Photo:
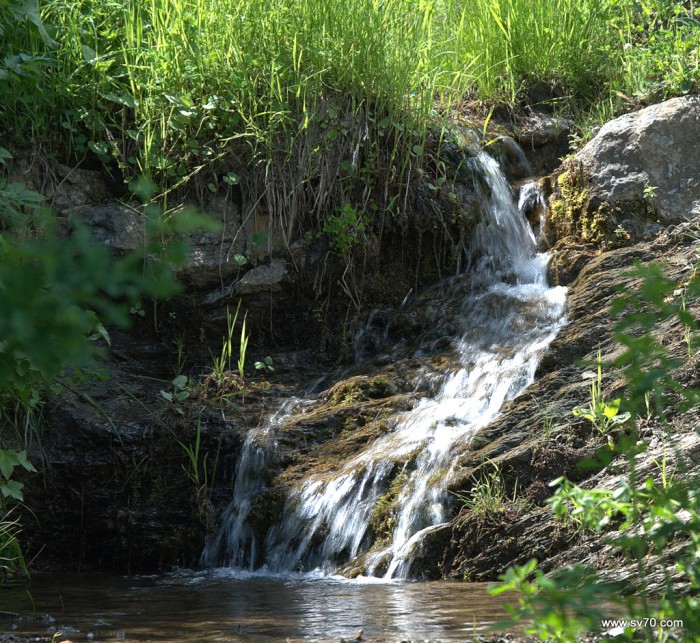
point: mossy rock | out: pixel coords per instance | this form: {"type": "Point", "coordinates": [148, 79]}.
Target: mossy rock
{"type": "Point", "coordinates": [574, 213]}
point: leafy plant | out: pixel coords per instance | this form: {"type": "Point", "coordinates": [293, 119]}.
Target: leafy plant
{"type": "Point", "coordinates": [265, 365]}
{"type": "Point", "coordinates": [344, 228]}
{"type": "Point", "coordinates": [9, 460]}
{"type": "Point", "coordinates": [602, 414]}
{"type": "Point", "coordinates": [182, 389]}
{"type": "Point", "coordinates": [559, 607]}
{"type": "Point", "coordinates": [657, 516]}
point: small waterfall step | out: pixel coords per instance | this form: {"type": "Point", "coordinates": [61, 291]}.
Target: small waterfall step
{"type": "Point", "coordinates": [507, 316]}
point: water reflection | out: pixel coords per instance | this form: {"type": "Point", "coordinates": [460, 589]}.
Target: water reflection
{"type": "Point", "coordinates": [225, 606]}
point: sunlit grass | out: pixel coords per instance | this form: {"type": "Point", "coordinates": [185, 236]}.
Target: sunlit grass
{"type": "Point", "coordinates": [164, 88]}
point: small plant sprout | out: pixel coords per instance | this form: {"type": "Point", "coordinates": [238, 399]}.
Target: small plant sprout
{"type": "Point", "coordinates": [602, 414]}
{"type": "Point", "coordinates": [650, 192]}
{"type": "Point", "coordinates": [265, 365]}
{"type": "Point", "coordinates": [181, 391]}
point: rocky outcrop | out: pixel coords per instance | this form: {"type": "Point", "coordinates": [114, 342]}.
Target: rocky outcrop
{"type": "Point", "coordinates": [651, 155]}
{"type": "Point", "coordinates": [537, 438]}
{"type": "Point", "coordinates": [636, 176]}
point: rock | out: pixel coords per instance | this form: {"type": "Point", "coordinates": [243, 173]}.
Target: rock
{"type": "Point", "coordinates": [651, 154]}
{"type": "Point", "coordinates": [545, 140]}
{"type": "Point", "coordinates": [72, 187]}
{"type": "Point", "coordinates": [216, 257]}
{"type": "Point", "coordinates": [569, 256]}
{"type": "Point", "coordinates": [261, 279]}
{"type": "Point", "coordinates": [510, 157]}
{"type": "Point", "coordinates": [640, 169]}
{"type": "Point", "coordinates": [539, 129]}
{"type": "Point", "coordinates": [113, 225]}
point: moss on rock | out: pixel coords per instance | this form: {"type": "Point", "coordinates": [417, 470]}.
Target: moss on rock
{"type": "Point", "coordinates": [573, 213]}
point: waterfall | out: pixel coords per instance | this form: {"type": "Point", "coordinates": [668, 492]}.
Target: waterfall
{"type": "Point", "coordinates": [507, 317]}
{"type": "Point", "coordinates": [236, 543]}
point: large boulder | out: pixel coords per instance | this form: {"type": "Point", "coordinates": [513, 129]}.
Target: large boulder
{"type": "Point", "coordinates": [652, 153]}
{"type": "Point", "coordinates": [641, 169]}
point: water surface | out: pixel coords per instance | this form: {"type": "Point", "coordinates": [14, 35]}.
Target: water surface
{"type": "Point", "coordinates": [226, 606]}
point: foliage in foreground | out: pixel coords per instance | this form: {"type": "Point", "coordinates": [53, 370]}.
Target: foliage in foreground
{"type": "Point", "coordinates": [57, 293]}
{"type": "Point", "coordinates": [656, 516]}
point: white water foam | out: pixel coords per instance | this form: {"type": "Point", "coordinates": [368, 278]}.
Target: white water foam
{"type": "Point", "coordinates": [508, 318]}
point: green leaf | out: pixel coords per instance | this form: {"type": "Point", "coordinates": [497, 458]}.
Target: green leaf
{"type": "Point", "coordinates": [101, 148]}
{"type": "Point", "coordinates": [8, 461]}
{"type": "Point", "coordinates": [23, 462]}
{"type": "Point", "coordinates": [89, 55]}
{"type": "Point", "coordinates": [12, 489]}
{"type": "Point", "coordinates": [121, 99]}
{"type": "Point", "coordinates": [611, 408]}
{"type": "Point", "coordinates": [4, 155]}
{"type": "Point", "coordinates": [232, 178]}
{"type": "Point", "coordinates": [180, 381]}
{"type": "Point", "coordinates": [29, 10]}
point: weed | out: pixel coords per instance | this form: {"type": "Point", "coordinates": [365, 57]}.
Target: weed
{"type": "Point", "coordinates": [181, 391]}
{"type": "Point", "coordinates": [222, 364]}
{"type": "Point", "coordinates": [602, 414]}
{"type": "Point", "coordinates": [488, 496]}
{"type": "Point", "coordinates": [265, 365]}
{"type": "Point", "coordinates": [197, 470]}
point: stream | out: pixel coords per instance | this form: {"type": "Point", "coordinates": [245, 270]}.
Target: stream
{"type": "Point", "coordinates": [231, 606]}
{"type": "Point", "coordinates": [498, 317]}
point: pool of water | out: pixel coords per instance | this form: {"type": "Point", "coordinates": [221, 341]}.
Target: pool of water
{"type": "Point", "coordinates": [226, 606]}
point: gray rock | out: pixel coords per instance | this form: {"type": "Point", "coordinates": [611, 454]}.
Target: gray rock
{"type": "Point", "coordinates": [655, 149]}
{"type": "Point", "coordinates": [214, 257]}
{"type": "Point", "coordinates": [261, 279]}
{"type": "Point", "coordinates": [267, 278]}
{"type": "Point", "coordinates": [541, 129]}
{"type": "Point", "coordinates": [113, 225]}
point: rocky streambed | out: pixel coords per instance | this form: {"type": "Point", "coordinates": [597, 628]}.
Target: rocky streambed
{"type": "Point", "coordinates": [120, 490]}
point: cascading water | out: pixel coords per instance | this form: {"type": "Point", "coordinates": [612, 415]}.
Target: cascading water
{"type": "Point", "coordinates": [236, 544]}
{"type": "Point", "coordinates": [507, 317]}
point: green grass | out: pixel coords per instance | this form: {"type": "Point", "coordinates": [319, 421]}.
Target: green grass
{"type": "Point", "coordinates": [321, 96]}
